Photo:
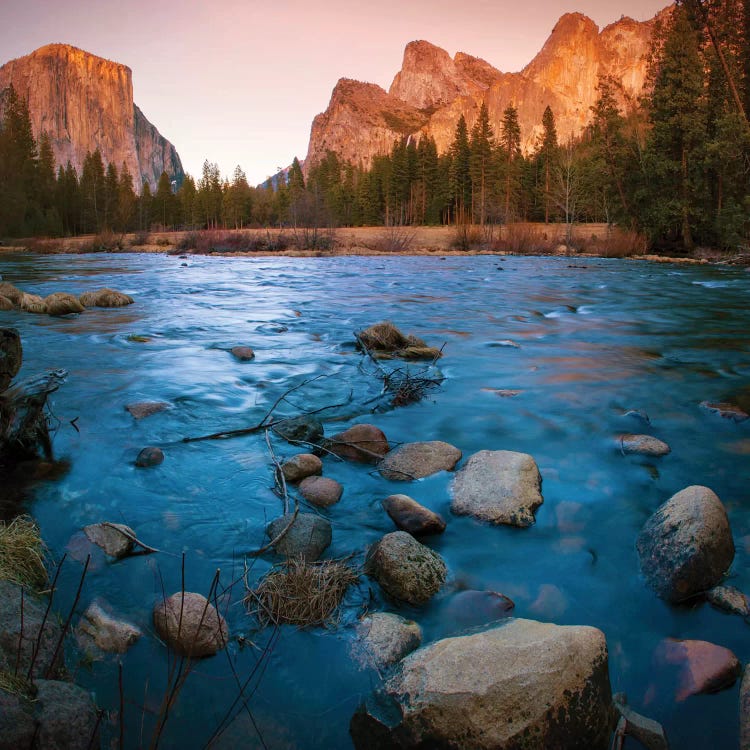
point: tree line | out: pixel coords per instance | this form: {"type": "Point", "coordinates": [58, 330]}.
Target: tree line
{"type": "Point", "coordinates": [675, 166]}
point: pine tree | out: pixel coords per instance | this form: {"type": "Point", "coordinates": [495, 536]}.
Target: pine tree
{"type": "Point", "coordinates": [127, 201]}
{"type": "Point", "coordinates": [481, 145]}
{"type": "Point", "coordinates": [68, 199]}
{"type": "Point", "coordinates": [510, 160]}
{"type": "Point", "coordinates": [92, 192]}
{"type": "Point", "coordinates": [109, 197]}
{"type": "Point", "coordinates": [459, 175]}
{"type": "Point", "coordinates": [186, 197]}
{"type": "Point", "coordinates": [546, 157]}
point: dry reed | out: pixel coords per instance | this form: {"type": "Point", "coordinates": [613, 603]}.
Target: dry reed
{"type": "Point", "coordinates": [22, 553]}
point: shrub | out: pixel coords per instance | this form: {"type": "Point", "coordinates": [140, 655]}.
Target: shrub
{"type": "Point", "coordinates": [395, 239]}
{"type": "Point", "coordinates": [104, 242]}
{"type": "Point", "coordinates": [314, 238]}
{"type": "Point", "coordinates": [140, 238]}
{"type": "Point", "coordinates": [622, 243]}
{"type": "Point", "coordinates": [467, 237]}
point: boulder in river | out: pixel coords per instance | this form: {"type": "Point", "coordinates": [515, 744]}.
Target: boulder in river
{"type": "Point", "coordinates": [405, 569]}
{"type": "Point", "coordinates": [523, 684]}
{"type": "Point", "coordinates": [412, 517]}
{"type": "Point", "coordinates": [501, 487]}
{"type": "Point", "coordinates": [729, 599]}
{"type": "Point", "coordinates": [105, 632]}
{"type": "Point", "coordinates": [308, 537]}
{"type": "Point", "coordinates": [143, 409]}
{"type": "Point", "coordinates": [385, 638]}
{"type": "Point", "coordinates": [190, 625]}
{"type": "Point", "coordinates": [116, 539]}
{"type": "Point", "coordinates": [150, 456]}
{"type": "Point", "coordinates": [321, 491]}
{"type": "Point", "coordinates": [385, 341]}
{"type": "Point", "coordinates": [301, 466]}
{"type": "Point", "coordinates": [105, 298]}
{"type": "Point", "coordinates": [645, 445]}
{"type": "Point", "coordinates": [726, 410]}
{"type": "Point", "coordinates": [6, 304]}
{"type": "Point", "coordinates": [13, 293]}
{"type": "Point", "coordinates": [418, 460]}
{"type": "Point", "coordinates": [686, 546]}
{"type": "Point", "coordinates": [304, 430]}
{"type": "Point", "coordinates": [61, 303]}
{"type": "Point", "coordinates": [361, 442]}
{"type": "Point", "coordinates": [243, 353]}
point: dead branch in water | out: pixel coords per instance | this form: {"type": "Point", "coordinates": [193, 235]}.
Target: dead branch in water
{"type": "Point", "coordinates": [146, 550]}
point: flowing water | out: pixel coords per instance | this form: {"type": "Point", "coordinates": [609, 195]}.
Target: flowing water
{"type": "Point", "coordinates": [582, 342]}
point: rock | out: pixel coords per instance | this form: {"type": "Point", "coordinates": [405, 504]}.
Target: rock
{"type": "Point", "coordinates": [11, 356]}
{"type": "Point", "coordinates": [646, 445]}
{"type": "Point", "coordinates": [105, 298]}
{"type": "Point", "coordinates": [386, 638]}
{"type": "Point", "coordinates": [468, 609]}
{"type": "Point", "coordinates": [686, 546]}
{"type": "Point", "coordinates": [703, 667]}
{"type": "Point", "coordinates": [99, 629]}
{"type": "Point", "coordinates": [17, 726]}
{"type": "Point", "coordinates": [143, 409]}
{"type": "Point", "coordinates": [61, 303]}
{"type": "Point", "coordinates": [744, 710]}
{"type": "Point", "coordinates": [66, 716]}
{"type": "Point", "coordinates": [405, 569]}
{"type": "Point", "coordinates": [115, 539]}
{"type": "Point", "coordinates": [190, 625]}
{"type": "Point", "coordinates": [638, 414]}
{"type": "Point", "coordinates": [418, 460]}
{"type": "Point", "coordinates": [321, 491]}
{"type": "Point", "coordinates": [150, 456]}
{"type": "Point", "coordinates": [412, 517]}
{"type": "Point", "coordinates": [306, 430]}
{"type": "Point", "coordinates": [729, 599]}
{"type": "Point", "coordinates": [523, 684]}
{"type": "Point", "coordinates": [647, 731]}
{"type": "Point", "coordinates": [498, 487]}
{"type": "Point", "coordinates": [361, 442]}
{"type": "Point", "coordinates": [726, 410]}
{"type": "Point", "coordinates": [243, 353]}
{"type": "Point", "coordinates": [14, 294]}
{"type": "Point", "coordinates": [309, 536]}
{"type": "Point", "coordinates": [301, 466]}
{"type": "Point", "coordinates": [32, 303]}
{"type": "Point", "coordinates": [6, 304]}
{"type": "Point", "coordinates": [34, 621]}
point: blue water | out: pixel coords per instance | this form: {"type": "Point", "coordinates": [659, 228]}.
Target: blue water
{"type": "Point", "coordinates": [582, 345]}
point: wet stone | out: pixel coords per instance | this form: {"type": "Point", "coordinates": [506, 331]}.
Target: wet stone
{"type": "Point", "coordinates": [730, 600]}
{"type": "Point", "coordinates": [100, 630]}
{"type": "Point", "coordinates": [645, 445]}
{"type": "Point", "coordinates": [321, 491]}
{"type": "Point", "coordinates": [418, 460]}
{"type": "Point", "coordinates": [115, 539]}
{"type": "Point", "coordinates": [309, 536]}
{"type": "Point", "coordinates": [150, 456]}
{"type": "Point", "coordinates": [301, 466]}
{"type": "Point", "coordinates": [300, 430]}
{"type": "Point", "coordinates": [189, 624]}
{"type": "Point", "coordinates": [143, 409]}
{"type": "Point", "coordinates": [361, 442]}
{"type": "Point", "coordinates": [385, 638]}
{"type": "Point", "coordinates": [243, 353]}
{"type": "Point", "coordinates": [412, 517]}
{"type": "Point", "coordinates": [726, 410]}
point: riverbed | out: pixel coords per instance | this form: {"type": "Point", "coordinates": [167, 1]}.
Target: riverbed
{"type": "Point", "coordinates": [554, 357]}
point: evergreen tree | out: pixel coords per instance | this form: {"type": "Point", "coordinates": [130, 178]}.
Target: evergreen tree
{"type": "Point", "coordinates": [510, 161]}
{"type": "Point", "coordinates": [144, 207]}
{"type": "Point", "coordinates": [68, 199]}
{"type": "Point", "coordinates": [109, 197]}
{"type": "Point", "coordinates": [92, 192]}
{"type": "Point", "coordinates": [127, 201]}
{"type": "Point", "coordinates": [546, 158]}
{"type": "Point", "coordinates": [481, 146]}
{"type": "Point", "coordinates": [237, 200]}
{"type": "Point", "coordinates": [186, 197]}
{"type": "Point", "coordinates": [459, 175]}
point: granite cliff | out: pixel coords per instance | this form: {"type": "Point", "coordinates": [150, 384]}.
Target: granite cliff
{"type": "Point", "coordinates": [85, 102]}
{"type": "Point", "coordinates": [432, 90]}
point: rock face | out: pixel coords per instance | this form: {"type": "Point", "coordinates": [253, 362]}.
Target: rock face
{"type": "Point", "coordinates": [524, 684]}
{"type": "Point", "coordinates": [499, 487]}
{"type": "Point", "coordinates": [190, 625]}
{"type": "Point", "coordinates": [418, 460]}
{"type": "Point", "coordinates": [406, 569]}
{"type": "Point", "coordinates": [386, 638]}
{"type": "Point", "coordinates": [85, 102]}
{"type": "Point", "coordinates": [432, 90]}
{"type": "Point", "coordinates": [686, 546]}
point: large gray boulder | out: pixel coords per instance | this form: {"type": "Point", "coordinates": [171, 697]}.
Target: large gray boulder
{"type": "Point", "coordinates": [385, 638]}
{"type": "Point", "coordinates": [418, 460]}
{"type": "Point", "coordinates": [308, 537]}
{"type": "Point", "coordinates": [405, 569]}
{"type": "Point", "coordinates": [686, 546]}
{"type": "Point", "coordinates": [523, 684]}
{"type": "Point", "coordinates": [501, 487]}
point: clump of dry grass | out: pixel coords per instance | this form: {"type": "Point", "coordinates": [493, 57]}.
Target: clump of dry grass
{"type": "Point", "coordinates": [16, 685]}
{"type": "Point", "coordinates": [622, 243]}
{"type": "Point", "coordinates": [302, 593]}
{"type": "Point", "coordinates": [384, 341]}
{"type": "Point", "coordinates": [105, 298]}
{"type": "Point", "coordinates": [22, 553]}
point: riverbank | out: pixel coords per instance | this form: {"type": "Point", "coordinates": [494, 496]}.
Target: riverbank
{"type": "Point", "coordinates": [584, 240]}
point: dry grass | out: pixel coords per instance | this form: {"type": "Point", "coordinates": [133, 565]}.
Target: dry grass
{"type": "Point", "coordinates": [385, 341]}
{"type": "Point", "coordinates": [105, 298]}
{"type": "Point", "coordinates": [16, 685]}
{"type": "Point", "coordinates": [22, 553]}
{"type": "Point", "coordinates": [395, 239]}
{"type": "Point", "coordinates": [301, 593]}
{"type": "Point", "coordinates": [621, 243]}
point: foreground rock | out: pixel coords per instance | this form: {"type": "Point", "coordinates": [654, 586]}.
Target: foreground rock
{"type": "Point", "coordinates": [321, 491]}
{"type": "Point", "coordinates": [405, 569]}
{"type": "Point", "coordinates": [100, 630]}
{"type": "Point", "coordinates": [703, 667]}
{"type": "Point", "coordinates": [105, 298]}
{"type": "Point", "coordinates": [5, 304]}
{"type": "Point", "coordinates": [19, 647]}
{"type": "Point", "coordinates": [524, 684]}
{"type": "Point", "coordinates": [243, 353]}
{"type": "Point", "coordinates": [308, 537]}
{"type": "Point", "coordinates": [686, 546]}
{"type": "Point", "coordinates": [116, 539]}
{"type": "Point", "coordinates": [361, 442]}
{"type": "Point", "coordinates": [386, 638]}
{"type": "Point", "coordinates": [300, 430]}
{"type": "Point", "coordinates": [418, 460]}
{"type": "Point", "coordinates": [729, 599]}
{"type": "Point", "coordinates": [726, 410]}
{"type": "Point", "coordinates": [645, 445]}
{"type": "Point", "coordinates": [501, 487]}
{"type": "Point", "coordinates": [61, 303]}
{"type": "Point", "coordinates": [301, 466]}
{"type": "Point", "coordinates": [647, 731]}
{"type": "Point", "coordinates": [190, 625]}
{"type": "Point", "coordinates": [150, 456]}
{"type": "Point", "coordinates": [412, 517]}
{"type": "Point", "coordinates": [143, 409]}
{"type": "Point", "coordinates": [745, 710]}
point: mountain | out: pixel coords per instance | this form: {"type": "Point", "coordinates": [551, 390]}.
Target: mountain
{"type": "Point", "coordinates": [432, 90]}
{"type": "Point", "coordinates": [85, 102]}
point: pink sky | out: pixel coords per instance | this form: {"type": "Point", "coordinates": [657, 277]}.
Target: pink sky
{"type": "Point", "coordinates": [240, 82]}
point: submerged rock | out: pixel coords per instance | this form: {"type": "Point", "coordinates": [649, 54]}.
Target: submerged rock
{"type": "Point", "coordinates": [523, 684]}
{"type": "Point", "coordinates": [190, 625]}
{"type": "Point", "coordinates": [150, 456]}
{"type": "Point", "coordinates": [647, 731]}
{"type": "Point", "coordinates": [405, 569]}
{"type": "Point", "coordinates": [419, 460]}
{"type": "Point", "coordinates": [6, 304]}
{"type": "Point", "coordinates": [243, 353]}
{"type": "Point", "coordinates": [686, 546]}
{"type": "Point", "coordinates": [361, 442]}
{"type": "Point", "coordinates": [726, 410]}
{"type": "Point", "coordinates": [469, 609]}
{"type": "Point", "coordinates": [102, 631]}
{"type": "Point", "coordinates": [300, 430]}
{"type": "Point", "coordinates": [321, 491]}
{"type": "Point", "coordinates": [646, 445]}
{"type": "Point", "coordinates": [386, 638]}
{"type": "Point", "coordinates": [501, 487]}
{"type": "Point", "coordinates": [301, 466]}
{"type": "Point", "coordinates": [412, 517]}
{"type": "Point", "coordinates": [729, 599]}
{"type": "Point", "coordinates": [143, 409]}
{"type": "Point", "coordinates": [309, 536]}
{"type": "Point", "coordinates": [115, 539]}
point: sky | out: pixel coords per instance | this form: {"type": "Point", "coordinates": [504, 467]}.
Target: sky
{"type": "Point", "coordinates": [239, 82]}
